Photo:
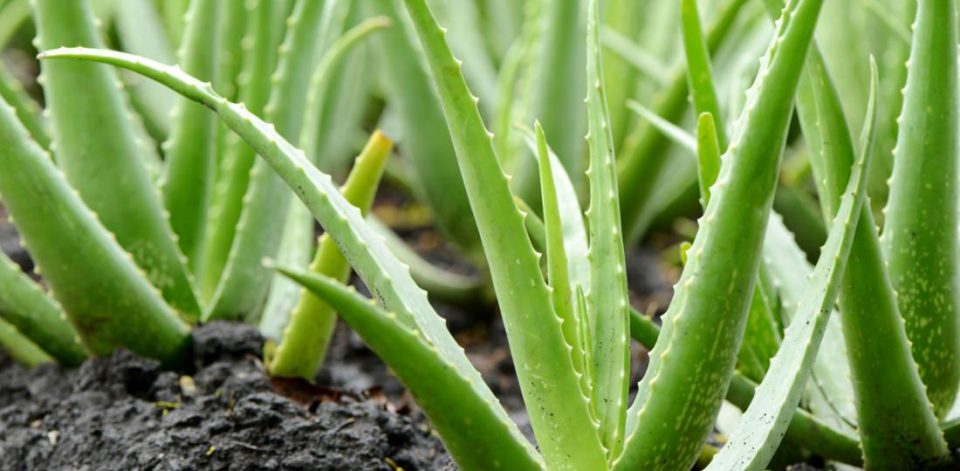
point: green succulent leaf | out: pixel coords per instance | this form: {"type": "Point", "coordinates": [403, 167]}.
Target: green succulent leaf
{"type": "Point", "coordinates": [709, 151]}
{"type": "Point", "coordinates": [920, 233]}
{"type": "Point", "coordinates": [106, 297]}
{"type": "Point", "coordinates": [639, 58]}
{"type": "Point", "coordinates": [559, 52]}
{"type": "Point", "coordinates": [563, 288]}
{"type": "Point", "coordinates": [699, 69]}
{"type": "Point", "coordinates": [675, 133]}
{"type": "Point", "coordinates": [441, 284]}
{"type": "Point", "coordinates": [12, 15]}
{"type": "Point", "coordinates": [607, 298]}
{"type": "Point", "coordinates": [297, 240]}
{"type": "Point", "coordinates": [97, 147]}
{"type": "Point", "coordinates": [805, 430]}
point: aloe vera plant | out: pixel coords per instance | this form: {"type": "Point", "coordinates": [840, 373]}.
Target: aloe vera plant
{"type": "Point", "coordinates": [605, 436]}
{"type": "Point", "coordinates": [130, 271]}
{"type": "Point", "coordinates": [751, 322]}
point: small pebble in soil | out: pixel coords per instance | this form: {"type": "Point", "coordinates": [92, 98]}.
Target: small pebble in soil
{"type": "Point", "coordinates": [126, 413]}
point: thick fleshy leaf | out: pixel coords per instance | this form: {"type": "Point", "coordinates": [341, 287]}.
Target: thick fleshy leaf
{"type": "Point", "coordinates": [106, 297]}
{"type": "Point", "coordinates": [97, 146]}
{"type": "Point", "coordinates": [920, 240]}
{"type": "Point", "coordinates": [607, 298]}
{"type": "Point", "coordinates": [764, 423]}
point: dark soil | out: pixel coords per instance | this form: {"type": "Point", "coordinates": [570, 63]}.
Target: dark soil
{"type": "Point", "coordinates": [124, 413]}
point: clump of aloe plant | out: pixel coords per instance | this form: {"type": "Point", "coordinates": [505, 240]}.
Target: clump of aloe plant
{"type": "Point", "coordinates": [136, 246]}
{"type": "Point", "coordinates": [751, 322]}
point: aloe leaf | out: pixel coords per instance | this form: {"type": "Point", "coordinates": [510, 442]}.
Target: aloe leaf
{"type": "Point", "coordinates": [920, 233]}
{"type": "Point", "coordinates": [709, 151]}
{"type": "Point", "coordinates": [259, 57]}
{"type": "Point", "coordinates": [307, 336]}
{"type": "Point", "coordinates": [20, 348]}
{"type": "Point", "coordinates": [12, 92]}
{"type": "Point", "coordinates": [105, 295]}
{"type": "Point", "coordinates": [890, 398]}
{"type": "Point", "coordinates": [607, 299]}
{"type": "Point", "coordinates": [804, 429]}
{"type": "Point", "coordinates": [338, 87]}
{"type": "Point", "coordinates": [28, 310]}
{"type": "Point", "coordinates": [96, 145]}
{"type": "Point", "coordinates": [370, 257]}
{"type": "Point", "coordinates": [691, 365]}
{"type": "Point", "coordinates": [513, 264]}
{"type": "Point", "coordinates": [476, 438]}
{"type": "Point", "coordinates": [699, 70]}
{"type": "Point", "coordinates": [425, 139]}
{"type": "Point", "coordinates": [761, 336]}
{"type": "Point", "coordinates": [190, 151]}
{"type": "Point", "coordinates": [245, 283]}
{"type": "Point", "coordinates": [641, 159]}
{"type": "Point", "coordinates": [830, 394]}
{"type": "Point", "coordinates": [563, 288]}
{"type": "Point", "coordinates": [570, 214]}
{"type": "Point", "coordinates": [517, 88]}
{"type": "Point", "coordinates": [762, 427]}
{"type": "Point", "coordinates": [141, 31]}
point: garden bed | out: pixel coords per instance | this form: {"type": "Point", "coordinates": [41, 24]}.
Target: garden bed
{"type": "Point", "coordinates": [124, 412]}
